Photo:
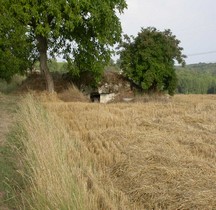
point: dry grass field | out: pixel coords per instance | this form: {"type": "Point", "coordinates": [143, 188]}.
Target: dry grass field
{"type": "Point", "coordinates": [157, 154]}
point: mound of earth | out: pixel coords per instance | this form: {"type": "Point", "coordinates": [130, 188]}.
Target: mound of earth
{"type": "Point", "coordinates": [36, 82]}
{"type": "Point", "coordinates": [111, 83]}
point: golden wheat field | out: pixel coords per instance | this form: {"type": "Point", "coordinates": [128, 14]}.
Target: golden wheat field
{"type": "Point", "coordinates": [157, 154]}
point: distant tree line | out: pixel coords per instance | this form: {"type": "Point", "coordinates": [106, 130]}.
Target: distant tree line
{"type": "Point", "coordinates": [197, 79]}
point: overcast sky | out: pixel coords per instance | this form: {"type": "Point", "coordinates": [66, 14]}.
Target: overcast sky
{"type": "Point", "coordinates": [192, 21]}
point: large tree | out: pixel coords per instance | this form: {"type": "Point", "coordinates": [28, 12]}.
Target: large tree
{"type": "Point", "coordinates": [81, 30]}
{"type": "Point", "coordinates": [149, 59]}
{"type": "Point", "coordinates": [15, 46]}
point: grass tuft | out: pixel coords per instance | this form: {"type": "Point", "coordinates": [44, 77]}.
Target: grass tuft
{"type": "Point", "coordinates": [72, 94]}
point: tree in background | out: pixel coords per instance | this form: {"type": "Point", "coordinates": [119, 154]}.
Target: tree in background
{"type": "Point", "coordinates": [15, 46]}
{"type": "Point", "coordinates": [148, 59]}
{"type": "Point", "coordinates": [80, 30]}
{"type": "Point", "coordinates": [197, 79]}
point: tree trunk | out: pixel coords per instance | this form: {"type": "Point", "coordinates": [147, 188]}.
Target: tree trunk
{"type": "Point", "coordinates": [42, 48]}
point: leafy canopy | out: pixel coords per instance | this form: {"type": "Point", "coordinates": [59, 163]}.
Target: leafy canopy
{"type": "Point", "coordinates": [149, 59]}
{"type": "Point", "coordinates": [81, 30]}
{"type": "Point", "coordinates": [15, 48]}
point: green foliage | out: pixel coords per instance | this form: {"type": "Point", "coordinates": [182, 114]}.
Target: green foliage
{"type": "Point", "coordinates": [149, 58]}
{"type": "Point", "coordinates": [14, 46]}
{"type": "Point", "coordinates": [197, 79]}
{"type": "Point", "coordinates": [80, 30]}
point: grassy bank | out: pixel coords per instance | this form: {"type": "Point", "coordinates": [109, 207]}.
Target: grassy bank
{"type": "Point", "coordinates": [50, 179]}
